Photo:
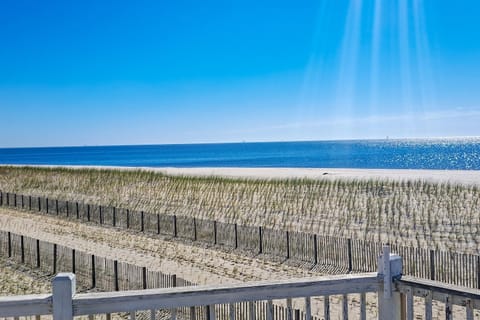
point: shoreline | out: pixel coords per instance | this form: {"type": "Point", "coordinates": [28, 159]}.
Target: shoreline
{"type": "Point", "coordinates": [464, 177]}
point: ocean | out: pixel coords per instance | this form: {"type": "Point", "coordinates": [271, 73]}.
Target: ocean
{"type": "Point", "coordinates": [454, 154]}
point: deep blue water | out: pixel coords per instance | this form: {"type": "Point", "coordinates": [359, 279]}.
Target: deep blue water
{"type": "Point", "coordinates": [381, 154]}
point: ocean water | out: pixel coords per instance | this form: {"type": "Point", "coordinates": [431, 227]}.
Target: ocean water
{"type": "Point", "coordinates": [462, 154]}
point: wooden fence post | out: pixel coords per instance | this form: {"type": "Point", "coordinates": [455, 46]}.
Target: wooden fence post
{"type": "Point", "coordinates": [100, 215]}
{"type": "Point", "coordinates": [73, 261]}
{"type": "Point", "coordinates": [142, 221]}
{"type": "Point", "coordinates": [315, 249]}
{"type": "Point", "coordinates": [66, 206]}
{"type": "Point", "coordinates": [22, 248]}
{"type": "Point", "coordinates": [94, 280]}
{"type": "Point", "coordinates": [88, 212]}
{"type": "Point", "coordinates": [15, 200]}
{"type": "Point", "coordinates": [54, 258]}
{"type": "Point", "coordinates": [38, 253]}
{"type": "Point", "coordinates": [236, 235]}
{"type": "Point", "coordinates": [1, 198]}
{"type": "Point", "coordinates": [389, 300]}
{"type": "Point", "coordinates": [349, 248]}
{"type": "Point", "coordinates": [46, 200]}
{"type": "Point", "coordinates": [158, 223]}
{"type": "Point", "coordinates": [260, 246]}
{"type": "Point", "coordinates": [175, 226]}
{"type": "Point", "coordinates": [144, 277]}
{"type": "Point", "coordinates": [432, 264]}
{"type": "Point", "coordinates": [128, 218]}
{"type": "Point", "coordinates": [56, 206]}
{"type": "Point", "coordinates": [76, 209]}
{"type": "Point", "coordinates": [114, 216]}
{"type": "Point", "coordinates": [8, 199]}
{"type": "Point", "coordinates": [30, 203]}
{"type": "Point", "coordinates": [63, 287]}
{"type": "Point", "coordinates": [39, 204]}
{"type": "Point", "coordinates": [287, 239]}
{"type": "Point", "coordinates": [115, 274]}
{"type": "Point", "coordinates": [214, 232]}
{"type": "Point", "coordinates": [9, 244]}
{"type": "Point", "coordinates": [194, 229]}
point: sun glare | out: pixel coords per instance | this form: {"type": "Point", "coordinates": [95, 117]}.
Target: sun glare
{"type": "Point", "coordinates": [382, 64]}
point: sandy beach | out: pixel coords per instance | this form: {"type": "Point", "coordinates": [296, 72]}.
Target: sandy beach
{"type": "Point", "coordinates": [423, 208]}
{"type": "Point", "coordinates": [465, 177]}
{"type": "Point", "coordinates": [197, 264]}
{"type": "Point", "coordinates": [321, 207]}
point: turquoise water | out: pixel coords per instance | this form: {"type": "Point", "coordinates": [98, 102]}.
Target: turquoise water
{"type": "Point", "coordinates": [381, 154]}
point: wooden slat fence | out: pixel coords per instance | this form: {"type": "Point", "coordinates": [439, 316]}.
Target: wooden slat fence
{"type": "Point", "coordinates": [394, 297]}
{"type": "Point", "coordinates": [205, 230]}
{"type": "Point", "coordinates": [248, 238]}
{"type": "Point", "coordinates": [167, 225]}
{"type": "Point", "coordinates": [186, 228]}
{"type": "Point", "coordinates": [151, 223]}
{"type": "Point", "coordinates": [226, 234]}
{"type": "Point", "coordinates": [110, 275]}
{"type": "Point", "coordinates": [325, 253]}
{"type": "Point", "coordinates": [274, 242]}
{"type": "Point", "coordinates": [303, 247]}
{"type": "Point", "coordinates": [92, 271]}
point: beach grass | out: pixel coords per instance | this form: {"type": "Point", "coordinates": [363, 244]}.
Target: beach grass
{"type": "Point", "coordinates": [15, 279]}
{"type": "Point", "coordinates": [410, 212]}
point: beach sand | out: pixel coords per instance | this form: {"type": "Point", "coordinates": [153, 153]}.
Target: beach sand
{"type": "Point", "coordinates": [207, 265]}
{"type": "Point", "coordinates": [441, 176]}
{"type": "Point", "coordinates": [465, 177]}
{"type": "Point", "coordinates": [197, 264]}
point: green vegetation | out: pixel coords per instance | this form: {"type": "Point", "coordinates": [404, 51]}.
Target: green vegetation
{"type": "Point", "coordinates": [409, 212]}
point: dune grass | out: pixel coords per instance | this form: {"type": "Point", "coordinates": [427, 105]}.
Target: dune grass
{"type": "Point", "coordinates": [15, 279]}
{"type": "Point", "coordinates": [416, 213]}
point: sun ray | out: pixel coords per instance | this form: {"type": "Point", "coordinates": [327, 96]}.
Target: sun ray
{"type": "Point", "coordinates": [405, 66]}
{"type": "Point", "coordinates": [344, 103]}
{"type": "Point", "coordinates": [425, 98]}
{"type": "Point", "coordinates": [375, 48]}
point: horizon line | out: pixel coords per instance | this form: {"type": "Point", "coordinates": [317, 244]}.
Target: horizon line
{"type": "Point", "coordinates": [387, 138]}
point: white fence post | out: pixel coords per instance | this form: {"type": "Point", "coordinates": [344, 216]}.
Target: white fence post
{"type": "Point", "coordinates": [389, 300]}
{"type": "Point", "coordinates": [63, 286]}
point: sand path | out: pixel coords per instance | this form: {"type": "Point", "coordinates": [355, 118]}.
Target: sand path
{"type": "Point", "coordinates": [196, 264]}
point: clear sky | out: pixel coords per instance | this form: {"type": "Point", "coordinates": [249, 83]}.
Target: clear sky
{"type": "Point", "coordinates": [152, 72]}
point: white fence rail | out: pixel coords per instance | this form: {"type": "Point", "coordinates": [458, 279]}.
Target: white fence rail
{"type": "Point", "coordinates": [96, 303]}
{"type": "Point", "coordinates": [395, 298]}
{"type": "Point", "coordinates": [16, 306]}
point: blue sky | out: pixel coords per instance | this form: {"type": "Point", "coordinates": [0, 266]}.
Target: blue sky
{"type": "Point", "coordinates": [148, 72]}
